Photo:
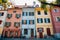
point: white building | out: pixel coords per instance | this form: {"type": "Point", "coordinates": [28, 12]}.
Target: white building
{"type": "Point", "coordinates": [28, 22]}
{"type": "Point", "coordinates": [3, 15]}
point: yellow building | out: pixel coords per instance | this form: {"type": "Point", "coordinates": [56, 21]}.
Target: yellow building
{"type": "Point", "coordinates": [43, 23]}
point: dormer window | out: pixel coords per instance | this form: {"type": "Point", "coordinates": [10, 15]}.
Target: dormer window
{"type": "Point", "coordinates": [9, 15]}
{"type": "Point", "coordinates": [18, 15]}
{"type": "Point", "coordinates": [7, 24]}
{"type": "Point", "coordinates": [16, 24]}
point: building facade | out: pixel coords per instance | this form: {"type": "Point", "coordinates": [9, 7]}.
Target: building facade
{"type": "Point", "coordinates": [13, 23]}
{"type": "Point", "coordinates": [55, 15]}
{"type": "Point", "coordinates": [43, 23]}
{"type": "Point", "coordinates": [28, 22]}
{"type": "Point", "coordinates": [2, 20]}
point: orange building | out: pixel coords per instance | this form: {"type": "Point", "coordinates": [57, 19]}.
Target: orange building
{"type": "Point", "coordinates": [13, 23]}
{"type": "Point", "coordinates": [43, 23]}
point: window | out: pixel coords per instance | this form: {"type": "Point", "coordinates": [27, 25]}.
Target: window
{"type": "Point", "coordinates": [31, 13]}
{"type": "Point", "coordinates": [31, 21]}
{"type": "Point", "coordinates": [45, 12]}
{"type": "Point", "coordinates": [0, 21]}
{"type": "Point", "coordinates": [11, 33]}
{"type": "Point", "coordinates": [14, 11]}
{"type": "Point", "coordinates": [18, 15]}
{"type": "Point", "coordinates": [39, 20]}
{"type": "Point", "coordinates": [26, 13]}
{"type": "Point", "coordinates": [22, 13]}
{"type": "Point", "coordinates": [47, 20]}
{"type": "Point", "coordinates": [25, 31]}
{"type": "Point", "coordinates": [58, 19]}
{"type": "Point", "coordinates": [16, 33]}
{"type": "Point", "coordinates": [9, 15]}
{"type": "Point", "coordinates": [4, 1]}
{"type": "Point", "coordinates": [40, 29]}
{"type": "Point", "coordinates": [1, 14]}
{"type": "Point", "coordinates": [24, 21]}
{"type": "Point", "coordinates": [7, 23]}
{"type": "Point", "coordinates": [55, 10]}
{"type": "Point", "coordinates": [39, 13]}
{"type": "Point", "coordinates": [16, 24]}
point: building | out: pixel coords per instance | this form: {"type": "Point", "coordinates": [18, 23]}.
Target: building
{"type": "Point", "coordinates": [43, 23]}
{"type": "Point", "coordinates": [2, 20]}
{"type": "Point", "coordinates": [13, 23]}
{"type": "Point", "coordinates": [55, 15]}
{"type": "Point", "coordinates": [28, 22]}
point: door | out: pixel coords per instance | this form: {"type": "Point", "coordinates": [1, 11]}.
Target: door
{"type": "Point", "coordinates": [11, 34]}
{"type": "Point", "coordinates": [6, 32]}
{"type": "Point", "coordinates": [32, 33]}
{"type": "Point", "coordinates": [40, 35]}
{"type": "Point", "coordinates": [48, 32]}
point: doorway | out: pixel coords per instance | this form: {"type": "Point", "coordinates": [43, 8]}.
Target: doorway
{"type": "Point", "coordinates": [48, 32]}
{"type": "Point", "coordinates": [32, 33]}
{"type": "Point", "coordinates": [6, 32]}
{"type": "Point", "coordinates": [40, 35]}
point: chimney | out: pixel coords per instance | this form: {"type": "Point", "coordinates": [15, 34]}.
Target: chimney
{"type": "Point", "coordinates": [34, 3]}
{"type": "Point", "coordinates": [25, 4]}
{"type": "Point", "coordinates": [37, 5]}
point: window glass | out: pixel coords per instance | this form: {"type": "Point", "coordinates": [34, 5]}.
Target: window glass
{"type": "Point", "coordinates": [45, 12]}
{"type": "Point", "coordinates": [7, 23]}
{"type": "Point", "coordinates": [39, 20]}
{"type": "Point", "coordinates": [0, 21]}
{"type": "Point", "coordinates": [24, 21]}
{"type": "Point", "coordinates": [18, 15]}
{"type": "Point", "coordinates": [58, 19]}
{"type": "Point", "coordinates": [25, 31]}
{"type": "Point", "coordinates": [9, 15]}
{"type": "Point", "coordinates": [47, 20]}
{"type": "Point", "coordinates": [39, 13]}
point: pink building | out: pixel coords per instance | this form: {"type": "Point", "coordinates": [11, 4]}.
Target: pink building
{"type": "Point", "coordinates": [13, 23]}
{"type": "Point", "coordinates": [55, 14]}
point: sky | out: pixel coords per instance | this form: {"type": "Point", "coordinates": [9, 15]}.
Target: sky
{"type": "Point", "coordinates": [29, 2]}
